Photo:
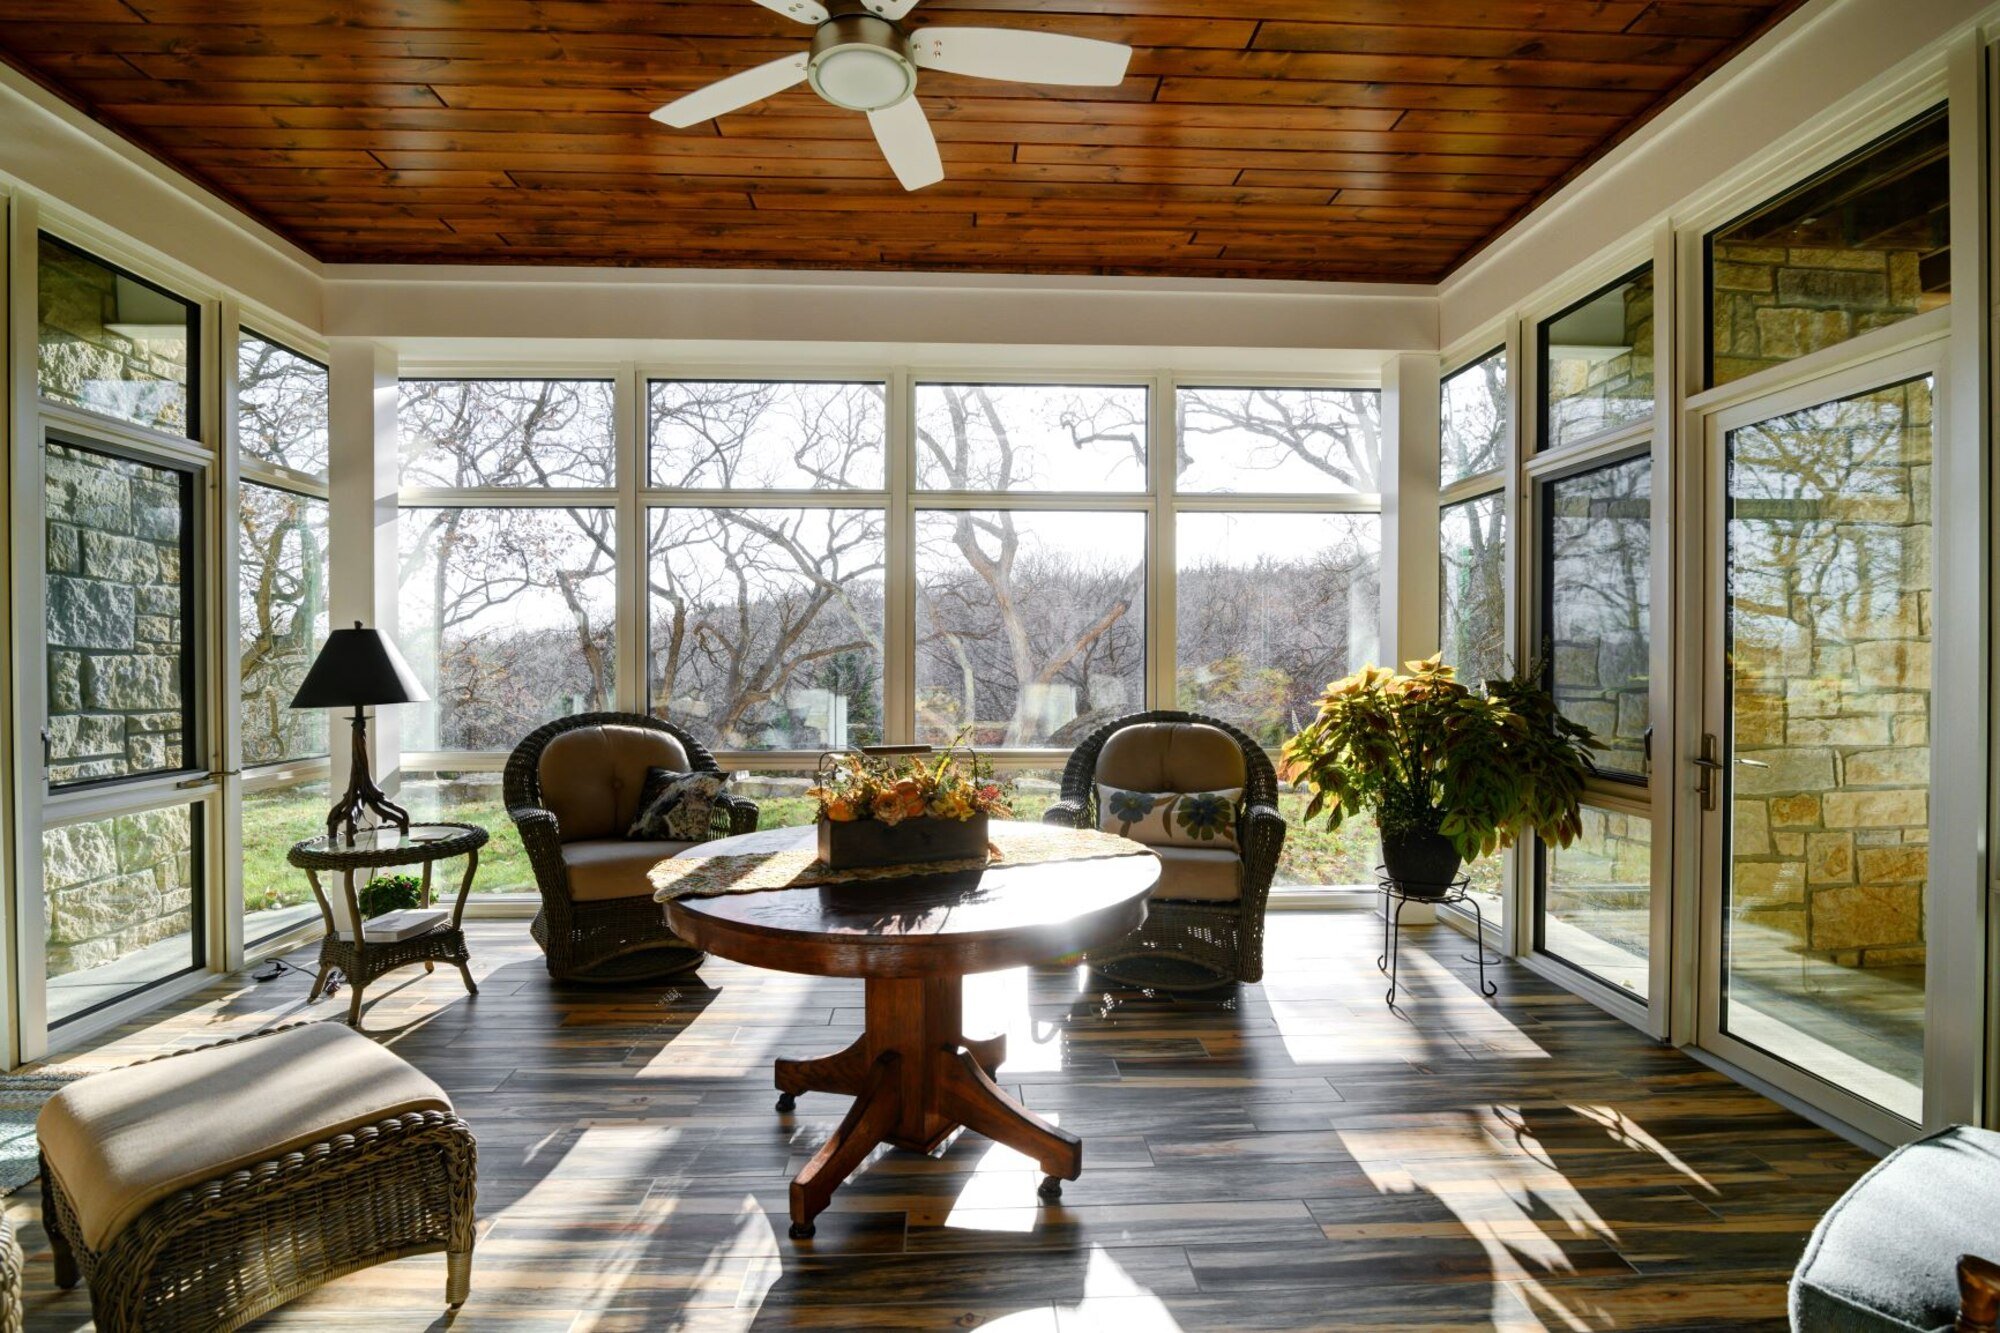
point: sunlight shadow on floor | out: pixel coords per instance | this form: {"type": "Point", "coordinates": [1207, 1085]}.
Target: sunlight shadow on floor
{"type": "Point", "coordinates": [736, 1034]}
{"type": "Point", "coordinates": [1343, 1018]}
{"type": "Point", "coordinates": [1494, 1187]}
{"type": "Point", "coordinates": [999, 1194]}
{"type": "Point", "coordinates": [1003, 1002]}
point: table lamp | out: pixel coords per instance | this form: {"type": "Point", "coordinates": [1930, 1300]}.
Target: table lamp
{"type": "Point", "coordinates": [359, 668]}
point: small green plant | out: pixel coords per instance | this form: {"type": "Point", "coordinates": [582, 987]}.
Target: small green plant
{"type": "Point", "coordinates": [389, 893]}
{"type": "Point", "coordinates": [1431, 756]}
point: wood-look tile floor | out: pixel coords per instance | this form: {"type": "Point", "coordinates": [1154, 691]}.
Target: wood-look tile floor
{"type": "Point", "coordinates": [1295, 1156]}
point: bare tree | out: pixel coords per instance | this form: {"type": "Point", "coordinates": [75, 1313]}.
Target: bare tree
{"type": "Point", "coordinates": [1031, 616]}
{"type": "Point", "coordinates": [281, 405]}
{"type": "Point", "coordinates": [767, 622]}
{"type": "Point", "coordinates": [1282, 439]}
{"type": "Point", "coordinates": [517, 601]}
{"type": "Point", "coordinates": [281, 618]}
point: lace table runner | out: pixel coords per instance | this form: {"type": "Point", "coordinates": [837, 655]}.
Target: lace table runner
{"type": "Point", "coordinates": [757, 872]}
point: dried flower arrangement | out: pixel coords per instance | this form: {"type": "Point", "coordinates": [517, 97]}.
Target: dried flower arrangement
{"type": "Point", "coordinates": [893, 787]}
{"type": "Point", "coordinates": [899, 805]}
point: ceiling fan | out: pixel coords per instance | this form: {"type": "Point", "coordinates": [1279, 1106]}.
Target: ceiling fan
{"type": "Point", "coordinates": [861, 59]}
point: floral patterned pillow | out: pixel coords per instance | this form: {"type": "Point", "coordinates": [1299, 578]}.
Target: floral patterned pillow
{"type": "Point", "coordinates": [1171, 818]}
{"type": "Point", "coordinates": [676, 807]}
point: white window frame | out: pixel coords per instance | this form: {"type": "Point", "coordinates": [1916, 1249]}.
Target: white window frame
{"type": "Point", "coordinates": [633, 497]}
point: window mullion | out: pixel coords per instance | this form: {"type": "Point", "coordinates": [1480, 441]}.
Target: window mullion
{"type": "Point", "coordinates": [1161, 581]}
{"type": "Point", "coordinates": [899, 586]}
{"type": "Point", "coordinates": [630, 545]}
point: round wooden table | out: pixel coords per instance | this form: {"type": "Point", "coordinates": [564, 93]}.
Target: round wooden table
{"type": "Point", "coordinates": [914, 1075]}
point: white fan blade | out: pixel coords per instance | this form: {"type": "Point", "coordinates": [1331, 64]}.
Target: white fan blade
{"type": "Point", "coordinates": [1021, 56]}
{"type": "Point", "coordinates": [725, 95]}
{"type": "Point", "coordinates": [805, 11]}
{"type": "Point", "coordinates": [905, 135]}
{"type": "Point", "coordinates": [890, 9]}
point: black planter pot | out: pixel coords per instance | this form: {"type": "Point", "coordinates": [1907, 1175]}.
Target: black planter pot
{"type": "Point", "coordinates": [1423, 865]}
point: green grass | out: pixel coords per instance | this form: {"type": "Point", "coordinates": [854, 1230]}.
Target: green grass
{"type": "Point", "coordinates": [274, 820]}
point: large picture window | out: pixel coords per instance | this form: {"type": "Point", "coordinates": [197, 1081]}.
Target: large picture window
{"type": "Point", "coordinates": [508, 607]}
{"type": "Point", "coordinates": [804, 589]}
{"type": "Point", "coordinates": [506, 615]}
{"type": "Point", "coordinates": [1269, 608]}
{"type": "Point", "coordinates": [766, 626]}
{"type": "Point", "coordinates": [1030, 624]}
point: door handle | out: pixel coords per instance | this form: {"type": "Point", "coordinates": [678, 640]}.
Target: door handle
{"type": "Point", "coordinates": [1706, 764]}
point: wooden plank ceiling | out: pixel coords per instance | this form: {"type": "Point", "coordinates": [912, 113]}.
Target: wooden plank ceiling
{"type": "Point", "coordinates": [1319, 139]}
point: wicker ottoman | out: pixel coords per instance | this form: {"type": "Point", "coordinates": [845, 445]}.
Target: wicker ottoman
{"type": "Point", "coordinates": [11, 1267]}
{"type": "Point", "coordinates": [201, 1189]}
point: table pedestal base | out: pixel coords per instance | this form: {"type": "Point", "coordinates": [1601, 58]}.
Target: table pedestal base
{"type": "Point", "coordinates": [915, 1079]}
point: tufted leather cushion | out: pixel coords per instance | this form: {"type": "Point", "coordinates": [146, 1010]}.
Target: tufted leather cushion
{"type": "Point", "coordinates": [591, 777]}
{"type": "Point", "coordinates": [1171, 756]}
{"type": "Point", "coordinates": [1199, 874]}
{"type": "Point", "coordinates": [601, 869]}
{"type": "Point", "coordinates": [121, 1141]}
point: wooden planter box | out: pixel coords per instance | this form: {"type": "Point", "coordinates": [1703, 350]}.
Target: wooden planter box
{"type": "Point", "coordinates": [848, 844]}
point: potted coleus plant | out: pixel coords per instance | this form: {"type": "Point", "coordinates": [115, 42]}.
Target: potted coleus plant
{"type": "Point", "coordinates": [1452, 774]}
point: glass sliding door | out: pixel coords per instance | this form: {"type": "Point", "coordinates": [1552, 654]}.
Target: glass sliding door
{"type": "Point", "coordinates": [1823, 668]}
{"type": "Point", "coordinates": [1596, 895]}
{"type": "Point", "coordinates": [112, 508]}
{"type": "Point", "coordinates": [121, 890]}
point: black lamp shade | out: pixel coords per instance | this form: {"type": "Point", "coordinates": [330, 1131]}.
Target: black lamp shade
{"type": "Point", "coordinates": [358, 667]}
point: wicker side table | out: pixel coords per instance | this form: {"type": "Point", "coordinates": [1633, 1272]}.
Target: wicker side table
{"type": "Point", "coordinates": [373, 849]}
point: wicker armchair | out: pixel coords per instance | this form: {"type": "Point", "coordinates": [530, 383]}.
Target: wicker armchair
{"type": "Point", "coordinates": [572, 787]}
{"type": "Point", "coordinates": [1187, 943]}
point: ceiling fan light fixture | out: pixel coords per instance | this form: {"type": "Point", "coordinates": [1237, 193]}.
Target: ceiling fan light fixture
{"type": "Point", "coordinates": [861, 63]}
{"type": "Point", "coordinates": [862, 78]}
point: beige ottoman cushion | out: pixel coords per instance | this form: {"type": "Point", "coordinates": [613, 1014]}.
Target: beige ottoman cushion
{"type": "Point", "coordinates": [121, 1141]}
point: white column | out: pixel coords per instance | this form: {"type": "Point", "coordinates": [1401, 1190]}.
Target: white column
{"type": "Point", "coordinates": [1409, 509]}
{"type": "Point", "coordinates": [361, 536]}
{"type": "Point", "coordinates": [1410, 526]}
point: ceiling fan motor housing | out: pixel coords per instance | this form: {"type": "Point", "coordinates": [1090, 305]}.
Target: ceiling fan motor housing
{"type": "Point", "coordinates": [860, 61]}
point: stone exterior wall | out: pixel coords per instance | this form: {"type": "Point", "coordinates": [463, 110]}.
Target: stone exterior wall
{"type": "Point", "coordinates": [114, 616]}
{"type": "Point", "coordinates": [1588, 397]}
{"type": "Point", "coordinates": [117, 885]}
{"type": "Point", "coordinates": [1601, 580]}
{"type": "Point", "coordinates": [1603, 882]}
{"type": "Point", "coordinates": [82, 363]}
{"type": "Point", "coordinates": [1831, 664]}
{"type": "Point", "coordinates": [1773, 303]}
